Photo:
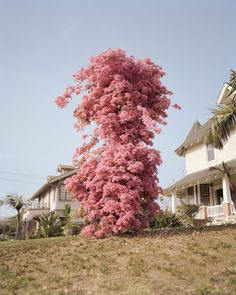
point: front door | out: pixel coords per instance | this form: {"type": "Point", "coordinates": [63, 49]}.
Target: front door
{"type": "Point", "coordinates": [219, 196]}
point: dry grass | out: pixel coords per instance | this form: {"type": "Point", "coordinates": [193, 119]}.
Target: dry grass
{"type": "Point", "coordinates": [185, 263]}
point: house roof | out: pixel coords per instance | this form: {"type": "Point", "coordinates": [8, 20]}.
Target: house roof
{"type": "Point", "coordinates": [196, 134]}
{"type": "Point", "coordinates": [62, 167]}
{"type": "Point", "coordinates": [201, 176]}
{"type": "Point", "coordinates": [51, 180]}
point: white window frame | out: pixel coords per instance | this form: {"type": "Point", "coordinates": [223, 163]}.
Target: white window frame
{"type": "Point", "coordinates": [67, 196]}
{"type": "Point", "coordinates": [206, 153]}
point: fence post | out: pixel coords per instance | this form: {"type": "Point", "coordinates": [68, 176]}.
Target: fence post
{"type": "Point", "coordinates": [203, 212]}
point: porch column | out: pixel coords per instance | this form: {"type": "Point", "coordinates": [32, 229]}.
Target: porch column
{"type": "Point", "coordinates": [195, 194]}
{"type": "Point", "coordinates": [174, 202]}
{"type": "Point", "coordinates": [198, 194]}
{"type": "Point", "coordinates": [227, 200]}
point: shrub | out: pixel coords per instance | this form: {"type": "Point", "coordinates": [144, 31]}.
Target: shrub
{"type": "Point", "coordinates": [76, 229]}
{"type": "Point", "coordinates": [166, 219]}
{"type": "Point", "coordinates": [49, 225]}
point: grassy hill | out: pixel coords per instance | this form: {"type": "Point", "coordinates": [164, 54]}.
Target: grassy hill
{"type": "Point", "coordinates": [186, 263]}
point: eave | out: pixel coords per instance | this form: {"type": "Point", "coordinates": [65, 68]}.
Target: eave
{"type": "Point", "coordinates": [51, 183]}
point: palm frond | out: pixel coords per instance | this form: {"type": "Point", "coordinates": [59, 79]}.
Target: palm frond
{"type": "Point", "coordinates": [50, 224]}
{"type": "Point", "coordinates": [232, 83]}
{"type": "Point", "coordinates": [15, 201]}
{"type": "Point", "coordinates": [67, 210]}
{"type": "Point", "coordinates": [224, 119]}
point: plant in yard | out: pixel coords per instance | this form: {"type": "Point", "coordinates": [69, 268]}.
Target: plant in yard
{"type": "Point", "coordinates": [67, 212]}
{"type": "Point", "coordinates": [49, 225]}
{"type": "Point", "coordinates": [190, 210]}
{"type": "Point", "coordinates": [1, 204]}
{"type": "Point", "coordinates": [187, 213]}
{"type": "Point", "coordinates": [117, 182]}
{"type": "Point", "coordinates": [16, 202]}
{"type": "Point", "coordinates": [67, 224]}
{"type": "Point", "coordinates": [166, 219]}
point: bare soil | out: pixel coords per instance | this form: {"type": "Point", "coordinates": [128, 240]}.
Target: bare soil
{"type": "Point", "coordinates": [187, 262]}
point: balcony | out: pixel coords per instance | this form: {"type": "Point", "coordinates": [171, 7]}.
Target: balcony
{"type": "Point", "coordinates": [34, 209]}
{"type": "Point", "coordinates": [36, 205]}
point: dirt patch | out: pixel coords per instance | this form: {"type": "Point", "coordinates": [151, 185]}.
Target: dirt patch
{"type": "Point", "coordinates": [198, 261]}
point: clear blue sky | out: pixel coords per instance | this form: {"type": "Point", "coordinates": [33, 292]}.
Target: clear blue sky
{"type": "Point", "coordinates": [42, 43]}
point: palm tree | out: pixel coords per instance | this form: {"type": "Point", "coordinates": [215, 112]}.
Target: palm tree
{"type": "Point", "coordinates": [67, 222]}
{"type": "Point", "coordinates": [224, 117]}
{"type": "Point", "coordinates": [49, 225]}
{"type": "Point", "coordinates": [67, 211]}
{"type": "Point", "coordinates": [1, 203]}
{"type": "Point", "coordinates": [16, 202]}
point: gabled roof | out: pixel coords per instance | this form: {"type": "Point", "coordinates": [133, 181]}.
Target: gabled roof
{"type": "Point", "coordinates": [51, 182]}
{"type": "Point", "coordinates": [196, 134]}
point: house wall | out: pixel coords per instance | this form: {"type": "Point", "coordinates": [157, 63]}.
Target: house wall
{"type": "Point", "coordinates": [52, 198]}
{"type": "Point", "coordinates": [196, 160]}
{"type": "Point", "coordinates": [53, 195]}
{"type": "Point", "coordinates": [233, 181]}
{"type": "Point", "coordinates": [44, 200]}
{"type": "Point", "coordinates": [59, 205]}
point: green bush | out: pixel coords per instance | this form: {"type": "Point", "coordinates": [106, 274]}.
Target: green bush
{"type": "Point", "coordinates": [166, 219]}
{"type": "Point", "coordinates": [49, 225]}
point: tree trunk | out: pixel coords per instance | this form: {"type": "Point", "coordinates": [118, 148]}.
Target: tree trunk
{"type": "Point", "coordinates": [18, 225]}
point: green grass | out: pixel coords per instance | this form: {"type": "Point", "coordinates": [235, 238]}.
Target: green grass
{"type": "Point", "coordinates": [180, 263]}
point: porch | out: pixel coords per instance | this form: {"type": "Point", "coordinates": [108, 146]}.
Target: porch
{"type": "Point", "coordinates": [214, 211]}
{"type": "Point", "coordinates": [212, 189]}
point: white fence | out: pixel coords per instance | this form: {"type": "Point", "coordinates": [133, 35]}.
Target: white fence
{"type": "Point", "coordinates": [213, 211]}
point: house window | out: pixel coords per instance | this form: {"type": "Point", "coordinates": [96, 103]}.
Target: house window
{"type": "Point", "coordinates": [210, 153]}
{"type": "Point", "coordinates": [190, 191]}
{"type": "Point", "coordinates": [205, 194]}
{"type": "Point", "coordinates": [64, 194]}
{"type": "Point", "coordinates": [190, 195]}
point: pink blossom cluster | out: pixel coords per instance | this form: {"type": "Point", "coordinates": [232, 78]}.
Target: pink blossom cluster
{"type": "Point", "coordinates": [63, 100]}
{"type": "Point", "coordinates": [117, 184]}
{"type": "Point", "coordinates": [118, 190]}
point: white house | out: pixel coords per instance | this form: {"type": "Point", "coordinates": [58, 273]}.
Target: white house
{"type": "Point", "coordinates": [206, 182]}
{"type": "Point", "coordinates": [51, 196]}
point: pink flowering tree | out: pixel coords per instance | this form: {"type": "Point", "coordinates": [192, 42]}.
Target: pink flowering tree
{"type": "Point", "coordinates": [117, 182]}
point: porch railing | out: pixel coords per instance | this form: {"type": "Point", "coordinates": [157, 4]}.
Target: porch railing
{"type": "Point", "coordinates": [213, 211]}
{"type": "Point", "coordinates": [37, 206]}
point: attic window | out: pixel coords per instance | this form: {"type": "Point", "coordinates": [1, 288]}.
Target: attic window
{"type": "Point", "coordinates": [210, 153]}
